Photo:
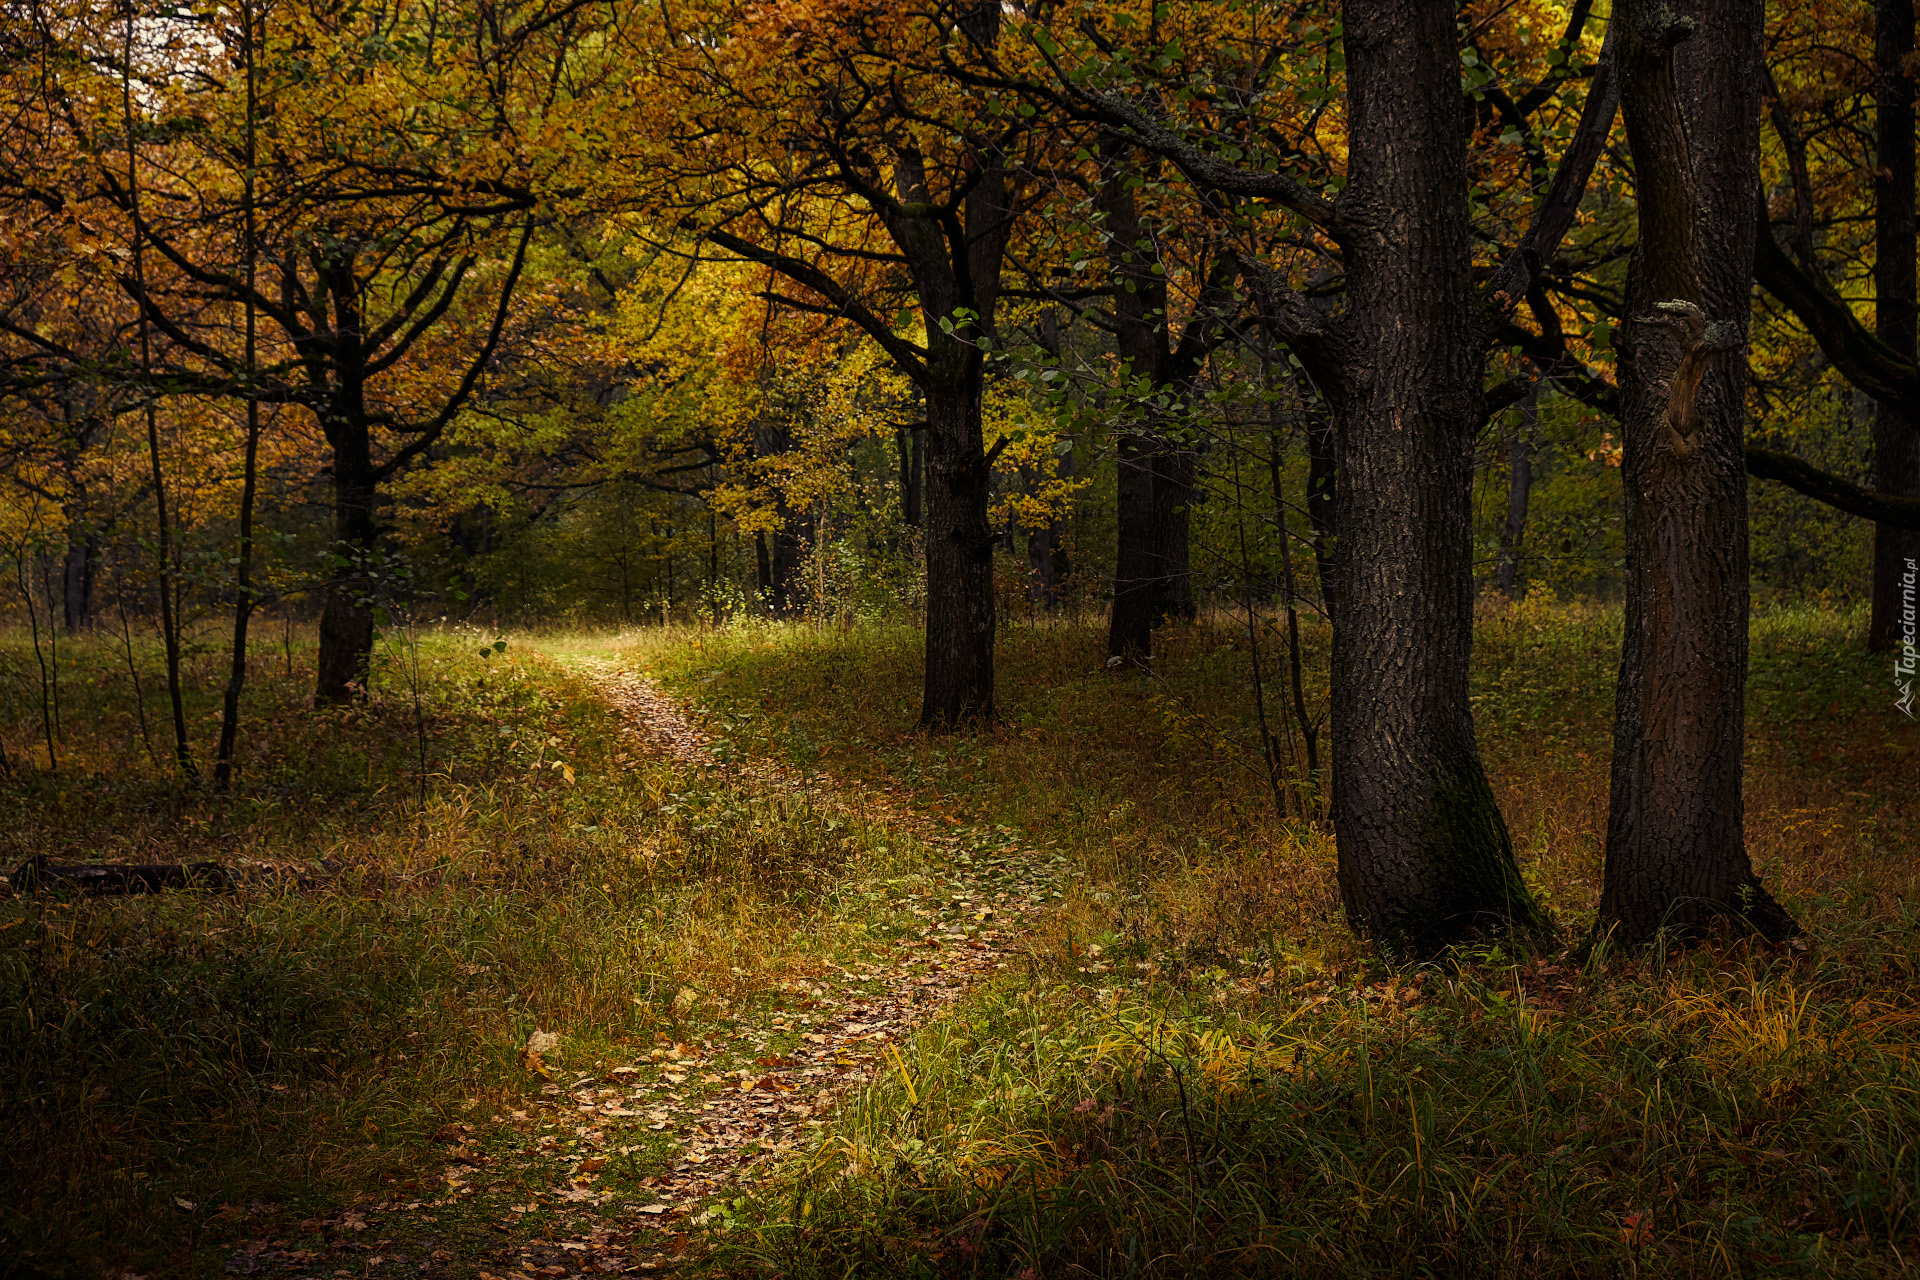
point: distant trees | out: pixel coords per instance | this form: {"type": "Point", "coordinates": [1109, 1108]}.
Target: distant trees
{"type": "Point", "coordinates": [393, 239]}
{"type": "Point", "coordinates": [830, 150]}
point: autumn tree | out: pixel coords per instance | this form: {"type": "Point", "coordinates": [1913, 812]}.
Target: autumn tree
{"type": "Point", "coordinates": [1425, 858]}
{"type": "Point", "coordinates": [833, 149]}
{"type": "Point", "coordinates": [392, 239]}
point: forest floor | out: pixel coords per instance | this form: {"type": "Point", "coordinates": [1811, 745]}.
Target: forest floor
{"type": "Point", "coordinates": [683, 951]}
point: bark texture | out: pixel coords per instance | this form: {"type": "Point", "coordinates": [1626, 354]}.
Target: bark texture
{"type": "Point", "coordinates": [955, 264]}
{"type": "Point", "coordinates": [960, 603]}
{"type": "Point", "coordinates": [1424, 856]}
{"type": "Point", "coordinates": [1676, 854]}
{"type": "Point", "coordinates": [1896, 422]}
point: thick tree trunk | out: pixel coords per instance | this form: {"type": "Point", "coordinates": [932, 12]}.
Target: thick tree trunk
{"type": "Point", "coordinates": [1424, 856]}
{"type": "Point", "coordinates": [1519, 489]}
{"type": "Point", "coordinates": [960, 604]}
{"type": "Point", "coordinates": [1676, 853]}
{"type": "Point", "coordinates": [1896, 423]}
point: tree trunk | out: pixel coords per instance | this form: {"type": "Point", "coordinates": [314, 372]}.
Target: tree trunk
{"type": "Point", "coordinates": [1318, 429]}
{"type": "Point", "coordinates": [1676, 853]}
{"type": "Point", "coordinates": [960, 604]}
{"type": "Point", "coordinates": [345, 660]}
{"type": "Point", "coordinates": [1043, 579]}
{"type": "Point", "coordinates": [1896, 423]}
{"type": "Point", "coordinates": [1173, 475]}
{"type": "Point", "coordinates": [1519, 488]}
{"type": "Point", "coordinates": [1424, 856]}
{"type": "Point", "coordinates": [1046, 557]}
{"type": "Point", "coordinates": [912, 444]}
{"type": "Point", "coordinates": [780, 567]}
{"type": "Point", "coordinates": [1135, 567]}
{"type": "Point", "coordinates": [77, 580]}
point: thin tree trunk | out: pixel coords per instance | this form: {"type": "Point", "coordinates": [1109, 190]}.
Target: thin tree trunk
{"type": "Point", "coordinates": [911, 441]}
{"type": "Point", "coordinates": [763, 568]}
{"type": "Point", "coordinates": [1135, 562]}
{"type": "Point", "coordinates": [1896, 423]}
{"type": "Point", "coordinates": [163, 552]}
{"type": "Point", "coordinates": [1676, 854]}
{"type": "Point", "coordinates": [1519, 488]}
{"type": "Point", "coordinates": [1322, 511]}
{"type": "Point", "coordinates": [1309, 730]}
{"type": "Point", "coordinates": [23, 576]}
{"type": "Point", "coordinates": [1173, 489]}
{"type": "Point", "coordinates": [1424, 855]}
{"type": "Point", "coordinates": [243, 569]}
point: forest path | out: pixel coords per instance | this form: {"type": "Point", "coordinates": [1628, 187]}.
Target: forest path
{"type": "Point", "coordinates": [732, 1105]}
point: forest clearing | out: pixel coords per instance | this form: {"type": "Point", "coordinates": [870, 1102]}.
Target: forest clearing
{"type": "Point", "coordinates": [914, 638]}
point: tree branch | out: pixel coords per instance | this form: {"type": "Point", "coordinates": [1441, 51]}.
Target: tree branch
{"type": "Point", "coordinates": [1865, 361]}
{"type": "Point", "coordinates": [909, 357]}
{"type": "Point", "coordinates": [1824, 486]}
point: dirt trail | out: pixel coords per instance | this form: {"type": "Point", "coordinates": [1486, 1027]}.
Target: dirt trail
{"type": "Point", "coordinates": [733, 1108]}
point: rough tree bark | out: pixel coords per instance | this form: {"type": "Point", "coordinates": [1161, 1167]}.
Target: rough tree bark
{"type": "Point", "coordinates": [1424, 855]}
{"type": "Point", "coordinates": [1896, 422]}
{"type": "Point", "coordinates": [1676, 853]}
{"type": "Point", "coordinates": [960, 606]}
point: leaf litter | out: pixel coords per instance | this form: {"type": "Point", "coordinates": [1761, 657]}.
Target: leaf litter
{"type": "Point", "coordinates": [711, 1116]}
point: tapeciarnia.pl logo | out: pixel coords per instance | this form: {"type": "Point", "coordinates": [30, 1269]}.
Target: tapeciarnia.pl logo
{"type": "Point", "coordinates": [1903, 666]}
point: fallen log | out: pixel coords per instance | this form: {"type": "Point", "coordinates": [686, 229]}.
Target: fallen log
{"type": "Point", "coordinates": [104, 879]}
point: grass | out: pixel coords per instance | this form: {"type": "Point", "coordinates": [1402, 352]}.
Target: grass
{"type": "Point", "coordinates": [1191, 1070]}
{"type": "Point", "coordinates": [1199, 1073]}
{"type": "Point", "coordinates": [184, 1073]}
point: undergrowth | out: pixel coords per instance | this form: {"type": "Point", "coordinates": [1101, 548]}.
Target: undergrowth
{"type": "Point", "coordinates": [1198, 1072]}
{"type": "Point", "coordinates": [180, 1069]}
